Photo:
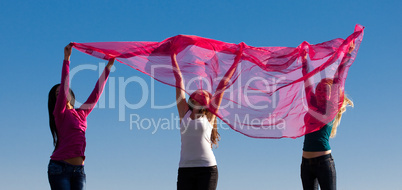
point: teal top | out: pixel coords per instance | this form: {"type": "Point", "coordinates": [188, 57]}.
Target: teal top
{"type": "Point", "coordinates": [318, 140]}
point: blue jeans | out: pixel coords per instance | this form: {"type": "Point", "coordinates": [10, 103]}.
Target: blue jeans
{"type": "Point", "coordinates": [197, 178]}
{"type": "Point", "coordinates": [64, 176]}
{"type": "Point", "coordinates": [319, 170]}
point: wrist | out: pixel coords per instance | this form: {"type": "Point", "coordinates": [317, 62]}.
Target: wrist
{"type": "Point", "coordinates": [109, 66]}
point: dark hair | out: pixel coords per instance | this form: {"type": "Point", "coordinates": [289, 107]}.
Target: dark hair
{"type": "Point", "coordinates": [51, 104]}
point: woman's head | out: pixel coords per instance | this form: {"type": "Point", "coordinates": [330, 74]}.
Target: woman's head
{"type": "Point", "coordinates": [199, 100]}
{"type": "Point", "coordinates": [52, 97]}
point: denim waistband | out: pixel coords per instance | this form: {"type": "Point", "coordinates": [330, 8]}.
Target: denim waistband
{"type": "Point", "coordinates": [66, 167]}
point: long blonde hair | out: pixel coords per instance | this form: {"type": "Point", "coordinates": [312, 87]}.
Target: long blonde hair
{"type": "Point", "coordinates": [346, 102]}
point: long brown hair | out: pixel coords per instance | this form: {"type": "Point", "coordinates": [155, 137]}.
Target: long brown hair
{"type": "Point", "coordinates": [215, 136]}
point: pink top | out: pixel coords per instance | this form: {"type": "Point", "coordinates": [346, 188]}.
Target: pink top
{"type": "Point", "coordinates": [71, 124]}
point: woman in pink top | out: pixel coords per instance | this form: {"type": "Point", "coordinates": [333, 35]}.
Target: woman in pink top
{"type": "Point", "coordinates": [68, 126]}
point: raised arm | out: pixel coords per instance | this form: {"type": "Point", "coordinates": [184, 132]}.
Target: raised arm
{"type": "Point", "coordinates": [308, 86]}
{"type": "Point", "coordinates": [336, 91]}
{"type": "Point", "coordinates": [61, 102]}
{"type": "Point", "coordinates": [88, 106]}
{"type": "Point", "coordinates": [344, 61]}
{"type": "Point", "coordinates": [220, 90]}
{"type": "Point", "coordinates": [182, 106]}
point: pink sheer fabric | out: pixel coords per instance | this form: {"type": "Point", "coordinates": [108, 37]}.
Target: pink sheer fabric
{"type": "Point", "coordinates": [265, 97]}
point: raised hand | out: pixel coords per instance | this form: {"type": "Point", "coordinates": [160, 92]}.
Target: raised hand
{"type": "Point", "coordinates": [304, 62]}
{"type": "Point", "coordinates": [351, 47]}
{"type": "Point", "coordinates": [67, 52]}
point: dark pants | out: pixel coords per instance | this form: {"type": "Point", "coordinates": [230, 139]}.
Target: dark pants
{"type": "Point", "coordinates": [197, 178]}
{"type": "Point", "coordinates": [64, 176]}
{"type": "Point", "coordinates": [320, 170]}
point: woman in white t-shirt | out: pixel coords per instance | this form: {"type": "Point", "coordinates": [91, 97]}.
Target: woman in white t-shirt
{"type": "Point", "coordinates": [198, 129]}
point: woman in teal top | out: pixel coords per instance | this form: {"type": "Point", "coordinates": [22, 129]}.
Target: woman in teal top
{"type": "Point", "coordinates": [317, 165]}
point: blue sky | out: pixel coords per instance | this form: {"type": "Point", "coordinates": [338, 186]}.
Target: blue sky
{"type": "Point", "coordinates": [121, 156]}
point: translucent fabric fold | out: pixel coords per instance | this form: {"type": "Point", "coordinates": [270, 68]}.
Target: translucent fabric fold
{"type": "Point", "coordinates": [266, 96]}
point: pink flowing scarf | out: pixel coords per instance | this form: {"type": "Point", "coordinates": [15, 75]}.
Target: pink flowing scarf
{"type": "Point", "coordinates": [265, 97]}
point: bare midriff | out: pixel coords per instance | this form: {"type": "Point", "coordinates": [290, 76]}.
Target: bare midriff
{"type": "Point", "coordinates": [308, 154]}
{"type": "Point", "coordinates": [75, 161]}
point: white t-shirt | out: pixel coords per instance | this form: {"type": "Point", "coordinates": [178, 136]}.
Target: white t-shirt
{"type": "Point", "coordinates": [196, 148]}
